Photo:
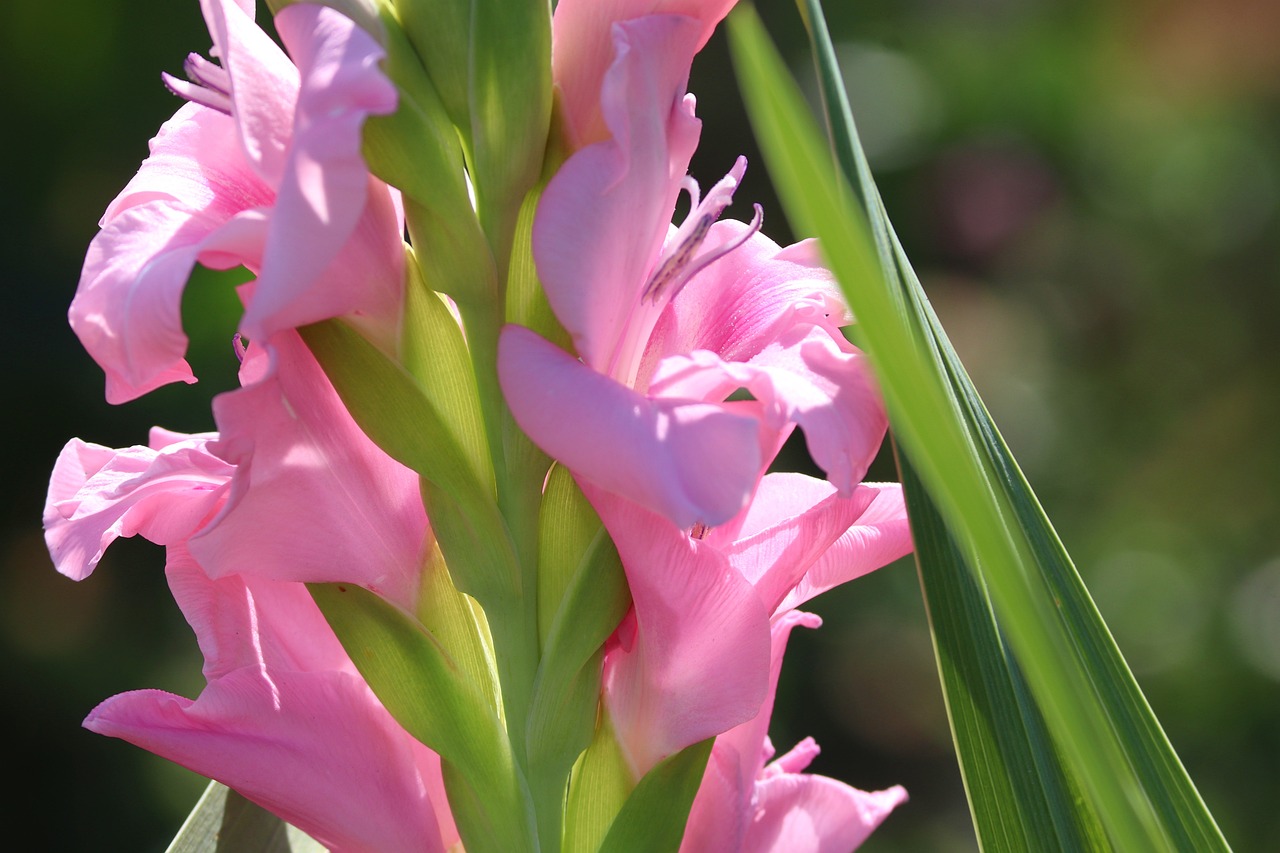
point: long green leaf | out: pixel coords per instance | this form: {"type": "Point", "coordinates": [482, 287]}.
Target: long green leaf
{"type": "Point", "coordinates": [225, 822]}
{"type": "Point", "coordinates": [1020, 793]}
{"type": "Point", "coordinates": [1146, 746]}
{"type": "Point", "coordinates": [1099, 722]}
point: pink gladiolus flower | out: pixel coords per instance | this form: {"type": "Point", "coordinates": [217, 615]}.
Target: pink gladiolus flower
{"type": "Point", "coordinates": [669, 322]}
{"type": "Point", "coordinates": [286, 720]}
{"type": "Point", "coordinates": [747, 805]}
{"type": "Point", "coordinates": [262, 169]}
{"type": "Point", "coordinates": [292, 490]}
{"type": "Point", "coordinates": [704, 606]}
{"type": "Point", "coordinates": [698, 349]}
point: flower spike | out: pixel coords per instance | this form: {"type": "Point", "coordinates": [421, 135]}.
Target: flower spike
{"type": "Point", "coordinates": [419, 632]}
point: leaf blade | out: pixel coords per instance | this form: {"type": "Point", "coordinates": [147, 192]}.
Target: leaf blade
{"type": "Point", "coordinates": [1104, 732]}
{"type": "Point", "coordinates": [223, 820]}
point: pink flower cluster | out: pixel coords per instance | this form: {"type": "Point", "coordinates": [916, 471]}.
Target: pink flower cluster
{"type": "Point", "coordinates": [262, 169]}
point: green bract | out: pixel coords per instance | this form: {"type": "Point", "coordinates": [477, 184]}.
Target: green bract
{"type": "Point", "coordinates": [438, 702]}
{"type": "Point", "coordinates": [490, 62]}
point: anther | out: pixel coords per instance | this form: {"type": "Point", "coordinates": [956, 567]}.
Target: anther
{"type": "Point", "coordinates": [677, 261]}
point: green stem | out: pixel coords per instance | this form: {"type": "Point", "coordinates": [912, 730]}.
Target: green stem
{"type": "Point", "coordinates": [519, 469]}
{"type": "Point", "coordinates": [482, 319]}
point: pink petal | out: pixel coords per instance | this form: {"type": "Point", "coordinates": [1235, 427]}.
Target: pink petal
{"type": "Point", "coordinates": [766, 291]}
{"type": "Point", "coordinates": [779, 557]}
{"type": "Point", "coordinates": [192, 200]}
{"type": "Point", "coordinates": [581, 32]}
{"type": "Point", "coordinates": [699, 663]}
{"type": "Point", "coordinates": [97, 494]}
{"type": "Point", "coordinates": [335, 244]}
{"type": "Point", "coordinates": [127, 310]}
{"type": "Point", "coordinates": [880, 535]}
{"type": "Point", "coordinates": [722, 809]}
{"type": "Point", "coordinates": [804, 813]}
{"type": "Point", "coordinates": [808, 813]}
{"type": "Point", "coordinates": [314, 499]}
{"type": "Point", "coordinates": [743, 805]}
{"type": "Point", "coordinates": [603, 217]}
{"type": "Point", "coordinates": [203, 195]}
{"type": "Point", "coordinates": [805, 377]}
{"type": "Point", "coordinates": [264, 85]}
{"type": "Point", "coordinates": [781, 495]}
{"type": "Point", "coordinates": [687, 460]}
{"type": "Point", "coordinates": [138, 339]}
{"type": "Point", "coordinates": [224, 612]}
{"type": "Point", "coordinates": [311, 744]}
{"type": "Point", "coordinates": [797, 759]}
{"type": "Point", "coordinates": [719, 821]}
{"type": "Point", "coordinates": [751, 738]}
{"type": "Point", "coordinates": [196, 161]}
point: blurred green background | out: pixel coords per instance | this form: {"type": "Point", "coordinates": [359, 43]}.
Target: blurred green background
{"type": "Point", "coordinates": [1090, 192]}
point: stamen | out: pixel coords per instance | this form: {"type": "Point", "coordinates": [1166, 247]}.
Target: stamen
{"type": "Point", "coordinates": [675, 263]}
{"type": "Point", "coordinates": [209, 86]}
{"type": "Point", "coordinates": [683, 262]}
{"type": "Point", "coordinates": [239, 345]}
{"type": "Point", "coordinates": [690, 186]}
{"type": "Point", "coordinates": [204, 73]}
{"type": "Point", "coordinates": [709, 258]}
{"type": "Point", "coordinates": [699, 531]}
{"type": "Point", "coordinates": [682, 257]}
